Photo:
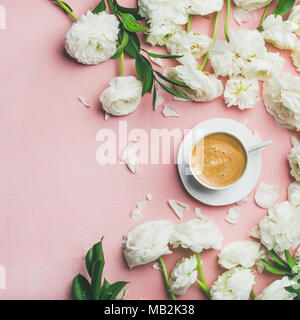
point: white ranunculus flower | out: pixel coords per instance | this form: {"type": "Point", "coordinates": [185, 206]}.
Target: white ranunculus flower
{"type": "Point", "coordinates": [203, 7]}
{"type": "Point", "coordinates": [276, 291]}
{"type": "Point", "coordinates": [160, 32]}
{"type": "Point", "coordinates": [163, 10]}
{"type": "Point", "coordinates": [189, 43]}
{"type": "Point", "coordinates": [296, 55]}
{"type": "Point", "coordinates": [280, 230]}
{"type": "Point", "coordinates": [93, 38]}
{"type": "Point", "coordinates": [197, 235]}
{"type": "Point", "coordinates": [265, 67]}
{"type": "Point", "coordinates": [294, 194]}
{"type": "Point", "coordinates": [279, 32]}
{"type": "Point", "coordinates": [122, 96]}
{"type": "Point", "coordinates": [251, 4]}
{"type": "Point", "coordinates": [201, 87]}
{"type": "Point", "coordinates": [295, 18]}
{"type": "Point", "coordinates": [294, 161]}
{"type": "Point", "coordinates": [241, 253]}
{"type": "Point", "coordinates": [248, 58]}
{"type": "Point", "coordinates": [183, 275]}
{"type": "Point", "coordinates": [147, 242]}
{"type": "Point", "coordinates": [281, 96]}
{"type": "Point", "coordinates": [241, 92]}
{"type": "Point", "coordinates": [234, 284]}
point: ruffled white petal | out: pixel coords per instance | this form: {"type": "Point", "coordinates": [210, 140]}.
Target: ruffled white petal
{"type": "Point", "coordinates": [93, 38]}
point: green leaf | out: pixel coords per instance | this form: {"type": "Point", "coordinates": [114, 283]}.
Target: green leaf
{"type": "Point", "coordinates": [289, 259]}
{"type": "Point", "coordinates": [133, 46]}
{"type": "Point", "coordinates": [175, 82]}
{"type": "Point", "coordinates": [100, 7]}
{"type": "Point", "coordinates": [93, 255]}
{"type": "Point", "coordinates": [115, 289]}
{"type": "Point", "coordinates": [113, 7]}
{"type": "Point", "coordinates": [104, 295]}
{"type": "Point", "coordinates": [273, 269]}
{"type": "Point", "coordinates": [162, 56]}
{"type": "Point", "coordinates": [89, 262]}
{"type": "Point", "coordinates": [173, 92]}
{"type": "Point", "coordinates": [283, 7]}
{"type": "Point", "coordinates": [131, 24]}
{"type": "Point", "coordinates": [145, 73]}
{"type": "Point", "coordinates": [278, 260]}
{"type": "Point", "coordinates": [154, 96]}
{"type": "Point", "coordinates": [97, 278]}
{"type": "Point", "coordinates": [81, 288]}
{"type": "Point", "coordinates": [133, 11]}
{"type": "Point", "coordinates": [124, 40]}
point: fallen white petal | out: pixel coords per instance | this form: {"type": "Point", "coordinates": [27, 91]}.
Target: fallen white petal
{"type": "Point", "coordinates": [157, 266]}
{"type": "Point", "coordinates": [259, 266]}
{"type": "Point", "coordinates": [157, 61]}
{"type": "Point", "coordinates": [159, 98]}
{"type": "Point", "coordinates": [129, 157]}
{"type": "Point", "coordinates": [136, 214]}
{"type": "Point", "coordinates": [142, 205]}
{"type": "Point", "coordinates": [149, 196]}
{"type": "Point", "coordinates": [175, 98]}
{"type": "Point", "coordinates": [179, 208]}
{"type": "Point", "coordinates": [170, 111]}
{"type": "Point", "coordinates": [122, 295]}
{"type": "Point", "coordinates": [255, 233]}
{"type": "Point", "coordinates": [106, 116]}
{"type": "Point", "coordinates": [244, 200]}
{"type": "Point", "coordinates": [266, 195]}
{"type": "Point", "coordinates": [241, 15]}
{"type": "Point", "coordinates": [199, 214]}
{"type": "Point", "coordinates": [233, 215]}
{"type": "Point", "coordinates": [84, 101]}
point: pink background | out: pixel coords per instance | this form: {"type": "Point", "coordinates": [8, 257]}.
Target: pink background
{"type": "Point", "coordinates": [56, 200]}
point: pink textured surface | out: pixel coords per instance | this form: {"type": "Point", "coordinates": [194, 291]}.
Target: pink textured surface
{"type": "Point", "coordinates": [56, 200]}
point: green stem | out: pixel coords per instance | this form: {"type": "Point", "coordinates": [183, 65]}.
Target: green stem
{"type": "Point", "coordinates": [189, 24]}
{"type": "Point", "coordinates": [122, 64]}
{"type": "Point", "coordinates": [214, 35]}
{"type": "Point", "coordinates": [253, 294]}
{"type": "Point", "coordinates": [200, 270]}
{"type": "Point", "coordinates": [204, 288]}
{"type": "Point", "coordinates": [166, 277]}
{"type": "Point", "coordinates": [227, 19]}
{"type": "Point", "coordinates": [66, 9]}
{"type": "Point", "coordinates": [267, 8]}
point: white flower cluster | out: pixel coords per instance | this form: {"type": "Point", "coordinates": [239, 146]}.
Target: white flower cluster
{"type": "Point", "coordinates": [93, 38]}
{"type": "Point", "coordinates": [234, 284]}
{"type": "Point", "coordinates": [183, 275]}
{"type": "Point", "coordinates": [186, 43]}
{"type": "Point", "coordinates": [245, 60]}
{"type": "Point", "coordinates": [201, 87]}
{"type": "Point", "coordinates": [276, 290]}
{"type": "Point", "coordinates": [280, 230]}
{"type": "Point", "coordinates": [122, 96]}
{"type": "Point", "coordinates": [241, 253]}
{"type": "Point", "coordinates": [148, 241]}
{"type": "Point", "coordinates": [166, 16]}
{"type": "Point", "coordinates": [281, 96]}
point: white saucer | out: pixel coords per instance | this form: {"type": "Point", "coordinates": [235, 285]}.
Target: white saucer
{"type": "Point", "coordinates": [241, 188]}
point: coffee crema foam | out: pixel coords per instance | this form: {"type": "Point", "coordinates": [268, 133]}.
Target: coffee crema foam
{"type": "Point", "coordinates": [218, 160]}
